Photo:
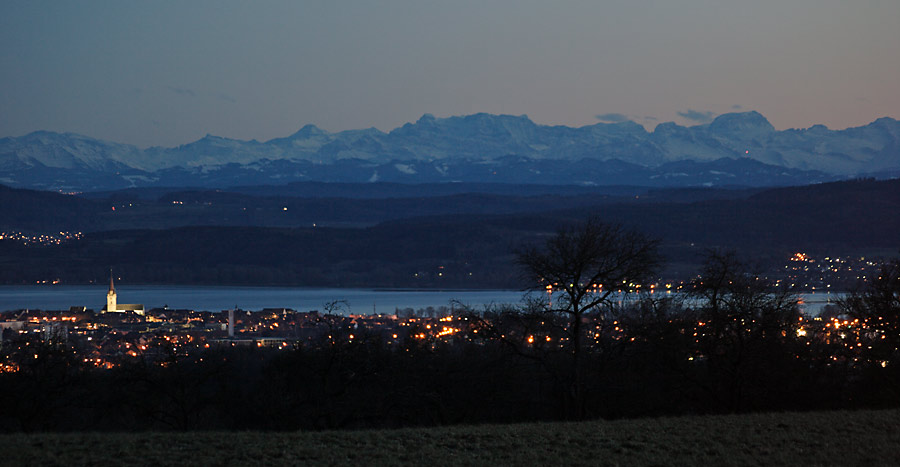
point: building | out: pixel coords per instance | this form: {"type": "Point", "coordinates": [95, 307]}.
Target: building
{"type": "Point", "coordinates": [113, 307]}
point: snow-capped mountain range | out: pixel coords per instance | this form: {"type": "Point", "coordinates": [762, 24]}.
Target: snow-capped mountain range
{"type": "Point", "coordinates": [734, 149]}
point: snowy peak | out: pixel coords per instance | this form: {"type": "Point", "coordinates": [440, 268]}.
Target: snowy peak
{"type": "Point", "coordinates": [741, 131]}
{"type": "Point", "coordinates": [466, 126]}
{"type": "Point", "coordinates": [620, 128]}
{"type": "Point", "coordinates": [308, 131]}
{"type": "Point", "coordinates": [741, 123]}
{"type": "Point", "coordinates": [68, 151]}
{"type": "Point", "coordinates": [426, 119]}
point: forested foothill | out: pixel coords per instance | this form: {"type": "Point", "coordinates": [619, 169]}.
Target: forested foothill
{"type": "Point", "coordinates": [390, 235]}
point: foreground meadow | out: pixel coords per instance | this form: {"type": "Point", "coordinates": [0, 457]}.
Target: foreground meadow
{"type": "Point", "coordinates": [816, 438]}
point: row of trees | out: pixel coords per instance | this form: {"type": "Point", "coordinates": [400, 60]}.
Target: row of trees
{"type": "Point", "coordinates": [733, 344]}
{"type": "Point", "coordinates": [734, 337]}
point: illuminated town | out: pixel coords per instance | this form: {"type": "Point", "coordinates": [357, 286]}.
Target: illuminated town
{"type": "Point", "coordinates": [118, 334]}
{"type": "Point", "coordinates": [54, 238]}
{"type": "Point", "coordinates": [109, 339]}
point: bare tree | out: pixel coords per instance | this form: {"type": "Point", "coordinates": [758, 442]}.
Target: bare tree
{"type": "Point", "coordinates": [584, 266]}
{"type": "Point", "coordinates": [876, 304]}
{"type": "Point", "coordinates": [745, 330]}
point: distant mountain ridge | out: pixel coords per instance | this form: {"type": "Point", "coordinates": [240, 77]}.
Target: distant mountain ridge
{"type": "Point", "coordinates": [473, 148]}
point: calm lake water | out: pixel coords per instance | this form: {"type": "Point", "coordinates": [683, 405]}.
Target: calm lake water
{"type": "Point", "coordinates": [361, 301]}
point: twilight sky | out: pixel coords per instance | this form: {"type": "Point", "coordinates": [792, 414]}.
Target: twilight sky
{"type": "Point", "coordinates": [166, 73]}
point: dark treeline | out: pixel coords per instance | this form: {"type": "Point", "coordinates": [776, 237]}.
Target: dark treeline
{"type": "Point", "coordinates": [734, 344]}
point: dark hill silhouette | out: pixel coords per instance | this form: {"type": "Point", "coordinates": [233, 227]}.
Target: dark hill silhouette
{"type": "Point", "coordinates": [473, 249]}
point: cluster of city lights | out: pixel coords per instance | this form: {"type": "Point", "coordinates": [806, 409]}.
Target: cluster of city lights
{"type": "Point", "coordinates": [55, 238]}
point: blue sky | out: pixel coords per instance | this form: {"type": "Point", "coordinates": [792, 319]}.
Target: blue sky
{"type": "Point", "coordinates": [166, 73]}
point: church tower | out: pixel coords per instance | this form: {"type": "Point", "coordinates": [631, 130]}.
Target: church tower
{"type": "Point", "coordinates": [113, 305]}
{"type": "Point", "coordinates": [111, 295]}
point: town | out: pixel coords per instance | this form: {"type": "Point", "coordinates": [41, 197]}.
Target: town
{"type": "Point", "coordinates": [121, 333]}
{"type": "Point", "coordinates": [53, 238]}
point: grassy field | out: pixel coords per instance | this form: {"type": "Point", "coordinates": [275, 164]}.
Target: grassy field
{"type": "Point", "coordinates": [821, 438]}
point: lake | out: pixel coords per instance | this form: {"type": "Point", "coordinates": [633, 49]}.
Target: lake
{"type": "Point", "coordinates": [212, 298]}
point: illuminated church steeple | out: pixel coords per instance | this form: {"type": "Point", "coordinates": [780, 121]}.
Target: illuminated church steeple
{"type": "Point", "coordinates": [111, 294]}
{"type": "Point", "coordinates": [112, 305]}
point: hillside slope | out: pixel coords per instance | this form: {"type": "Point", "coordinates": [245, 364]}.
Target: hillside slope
{"type": "Point", "coordinates": [870, 438]}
